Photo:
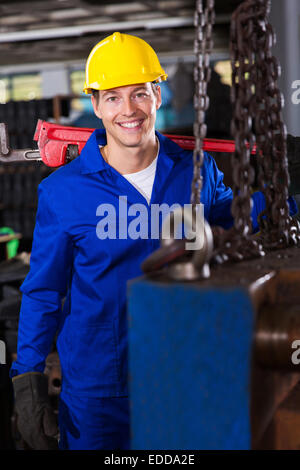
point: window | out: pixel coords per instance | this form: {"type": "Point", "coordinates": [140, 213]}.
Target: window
{"type": "Point", "coordinates": [83, 102]}
{"type": "Point", "coordinates": [4, 90]}
{"type": "Point", "coordinates": [77, 78]}
{"type": "Point", "coordinates": [20, 87]}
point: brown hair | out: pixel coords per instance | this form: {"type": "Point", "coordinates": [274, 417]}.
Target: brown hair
{"type": "Point", "coordinates": [95, 93]}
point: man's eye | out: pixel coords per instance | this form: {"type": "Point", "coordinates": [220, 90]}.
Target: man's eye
{"type": "Point", "coordinates": [111, 99]}
{"type": "Point", "coordinates": [141, 95]}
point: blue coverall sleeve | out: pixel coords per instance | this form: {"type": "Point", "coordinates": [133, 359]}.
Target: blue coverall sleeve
{"type": "Point", "coordinates": [260, 205]}
{"type": "Point", "coordinates": [43, 289]}
{"type": "Point", "coordinates": [221, 197]}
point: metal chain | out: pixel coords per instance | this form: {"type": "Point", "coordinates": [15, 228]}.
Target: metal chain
{"type": "Point", "coordinates": [203, 20]}
{"type": "Point", "coordinates": [278, 228]}
{"type": "Point", "coordinates": [183, 264]}
{"type": "Point", "coordinates": [238, 244]}
{"type": "Point", "coordinates": [257, 117]}
{"type": "Point", "coordinates": [255, 75]}
{"type": "Point", "coordinates": [242, 97]}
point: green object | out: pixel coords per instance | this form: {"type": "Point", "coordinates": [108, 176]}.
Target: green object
{"type": "Point", "coordinates": [12, 245]}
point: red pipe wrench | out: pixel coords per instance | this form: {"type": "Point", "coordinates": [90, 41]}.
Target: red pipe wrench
{"type": "Point", "coordinates": [57, 144]}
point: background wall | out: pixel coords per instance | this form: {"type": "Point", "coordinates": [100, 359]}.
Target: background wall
{"type": "Point", "coordinates": [285, 19]}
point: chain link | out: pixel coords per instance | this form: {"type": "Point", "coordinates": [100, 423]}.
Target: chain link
{"type": "Point", "coordinates": [238, 243]}
{"type": "Point", "coordinates": [258, 116]}
{"type": "Point", "coordinates": [203, 20]}
{"type": "Point", "coordinates": [278, 228]}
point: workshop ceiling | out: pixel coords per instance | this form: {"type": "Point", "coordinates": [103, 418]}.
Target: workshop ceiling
{"type": "Point", "coordinates": [64, 30]}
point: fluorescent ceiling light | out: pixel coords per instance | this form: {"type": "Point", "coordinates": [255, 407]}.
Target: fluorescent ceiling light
{"type": "Point", "coordinates": [80, 30]}
{"type": "Point", "coordinates": [123, 8]}
{"type": "Point", "coordinates": [68, 13]}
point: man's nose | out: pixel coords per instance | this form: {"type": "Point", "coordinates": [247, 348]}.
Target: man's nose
{"type": "Point", "coordinates": [129, 107]}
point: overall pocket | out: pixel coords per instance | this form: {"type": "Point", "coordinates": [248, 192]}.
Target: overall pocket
{"type": "Point", "coordinates": [92, 363]}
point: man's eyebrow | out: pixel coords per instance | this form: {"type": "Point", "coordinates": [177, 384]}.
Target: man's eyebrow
{"type": "Point", "coordinates": [109, 92]}
{"type": "Point", "coordinates": [140, 88]}
{"type": "Point", "coordinates": [113, 92]}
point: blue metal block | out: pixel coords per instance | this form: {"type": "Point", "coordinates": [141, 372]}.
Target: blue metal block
{"type": "Point", "coordinates": [189, 366]}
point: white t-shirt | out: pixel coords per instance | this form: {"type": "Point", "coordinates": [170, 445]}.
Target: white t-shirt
{"type": "Point", "coordinates": [143, 180]}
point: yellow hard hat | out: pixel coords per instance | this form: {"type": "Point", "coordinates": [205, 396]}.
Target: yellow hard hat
{"type": "Point", "coordinates": [119, 60]}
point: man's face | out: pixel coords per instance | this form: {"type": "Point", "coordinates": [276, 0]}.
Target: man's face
{"type": "Point", "coordinates": [128, 113]}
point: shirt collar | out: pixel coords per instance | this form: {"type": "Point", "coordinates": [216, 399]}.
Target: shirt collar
{"type": "Point", "coordinates": [92, 161]}
{"type": "Point", "coordinates": [168, 147]}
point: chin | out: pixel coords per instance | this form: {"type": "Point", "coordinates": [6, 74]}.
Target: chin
{"type": "Point", "coordinates": [132, 144]}
{"type": "Point", "coordinates": [134, 141]}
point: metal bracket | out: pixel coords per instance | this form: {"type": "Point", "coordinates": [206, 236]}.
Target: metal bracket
{"type": "Point", "coordinates": [8, 155]}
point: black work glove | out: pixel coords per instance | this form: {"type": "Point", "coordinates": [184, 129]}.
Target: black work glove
{"type": "Point", "coordinates": [36, 420]}
{"type": "Point", "coordinates": [293, 155]}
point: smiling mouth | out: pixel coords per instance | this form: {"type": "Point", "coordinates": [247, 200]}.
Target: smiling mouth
{"type": "Point", "coordinates": [132, 124]}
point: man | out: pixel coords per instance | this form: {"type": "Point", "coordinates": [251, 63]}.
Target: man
{"type": "Point", "coordinates": [85, 257]}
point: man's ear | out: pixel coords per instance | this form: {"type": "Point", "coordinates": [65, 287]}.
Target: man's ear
{"type": "Point", "coordinates": [158, 97]}
{"type": "Point", "coordinates": [95, 104]}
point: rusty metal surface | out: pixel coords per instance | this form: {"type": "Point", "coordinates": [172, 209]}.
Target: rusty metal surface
{"type": "Point", "coordinates": [275, 377]}
{"type": "Point", "coordinates": [245, 272]}
{"type": "Point", "coordinates": [269, 390]}
{"type": "Point", "coordinates": [278, 326]}
{"type": "Point", "coordinates": [283, 432]}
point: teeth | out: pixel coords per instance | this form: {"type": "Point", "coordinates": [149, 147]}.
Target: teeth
{"type": "Point", "coordinates": [130, 124]}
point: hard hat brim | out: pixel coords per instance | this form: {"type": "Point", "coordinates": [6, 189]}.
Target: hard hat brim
{"type": "Point", "coordinates": [108, 83]}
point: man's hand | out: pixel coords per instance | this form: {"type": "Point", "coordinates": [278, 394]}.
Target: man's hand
{"type": "Point", "coordinates": [293, 155]}
{"type": "Point", "coordinates": [36, 420]}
